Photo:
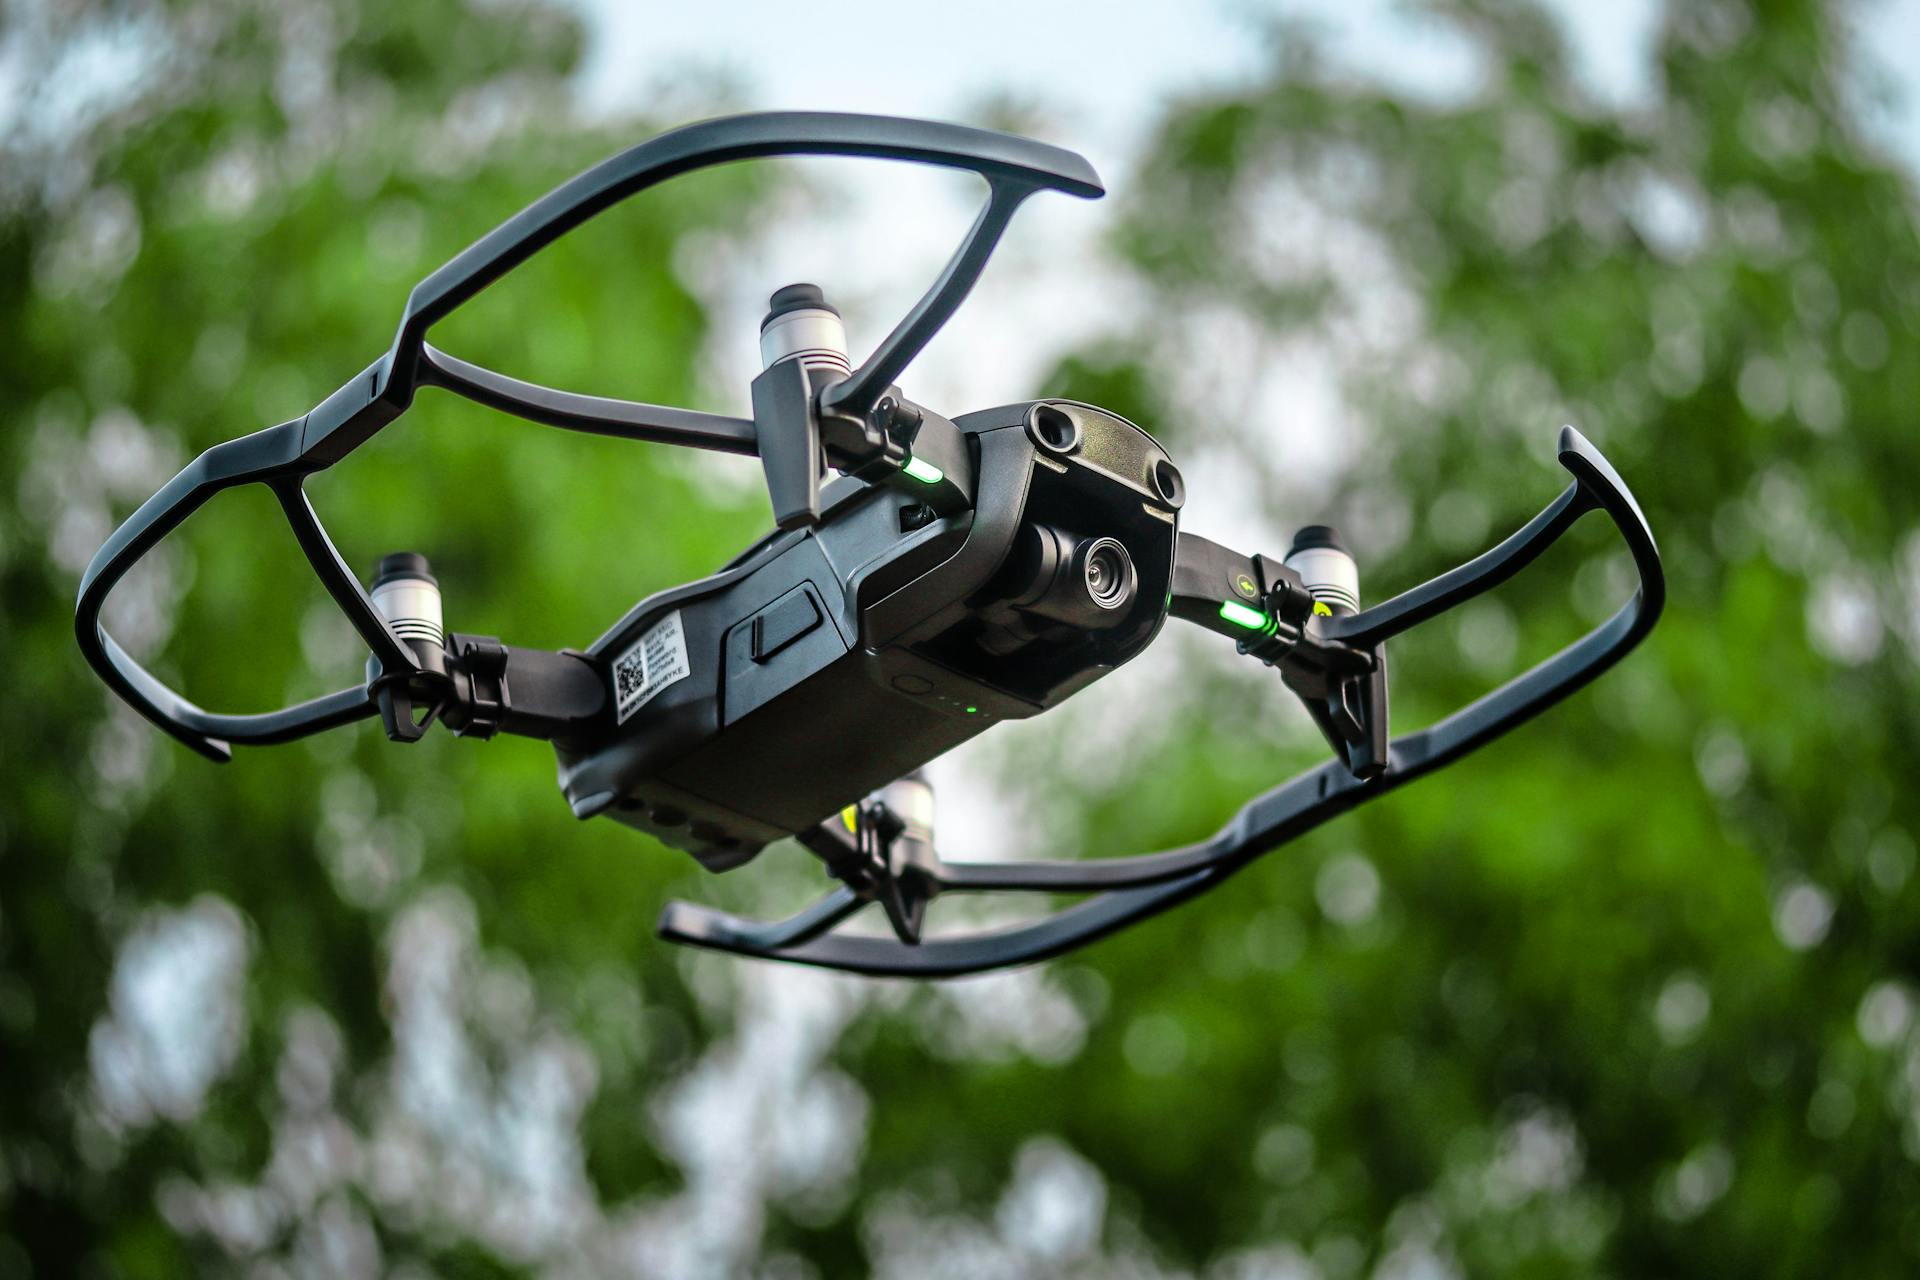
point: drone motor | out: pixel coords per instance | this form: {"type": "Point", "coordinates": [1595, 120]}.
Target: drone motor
{"type": "Point", "coordinates": [1326, 568]}
{"type": "Point", "coordinates": [801, 326]}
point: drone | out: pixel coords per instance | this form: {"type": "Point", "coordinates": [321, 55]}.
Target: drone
{"type": "Point", "coordinates": [948, 575]}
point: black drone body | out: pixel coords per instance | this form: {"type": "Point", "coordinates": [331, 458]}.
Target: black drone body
{"type": "Point", "coordinates": [957, 573]}
{"type": "Point", "coordinates": [829, 660]}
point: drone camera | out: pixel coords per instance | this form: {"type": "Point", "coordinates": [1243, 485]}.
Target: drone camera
{"type": "Point", "coordinates": [1107, 571]}
{"type": "Point", "coordinates": [1083, 582]}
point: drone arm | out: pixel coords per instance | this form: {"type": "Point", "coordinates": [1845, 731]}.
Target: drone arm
{"type": "Point", "coordinates": [1130, 890]}
{"type": "Point", "coordinates": [531, 693]}
{"type": "Point", "coordinates": [1232, 594]}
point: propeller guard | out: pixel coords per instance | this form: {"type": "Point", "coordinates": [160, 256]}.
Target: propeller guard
{"type": "Point", "coordinates": [967, 491]}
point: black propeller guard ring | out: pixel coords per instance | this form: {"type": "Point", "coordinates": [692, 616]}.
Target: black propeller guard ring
{"type": "Point", "coordinates": [1127, 889]}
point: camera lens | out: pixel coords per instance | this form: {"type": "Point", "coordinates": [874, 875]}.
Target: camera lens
{"type": "Point", "coordinates": [1108, 572]}
{"type": "Point", "coordinates": [1086, 583]}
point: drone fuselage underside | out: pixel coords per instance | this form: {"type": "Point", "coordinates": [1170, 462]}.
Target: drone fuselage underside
{"type": "Point", "coordinates": [825, 662]}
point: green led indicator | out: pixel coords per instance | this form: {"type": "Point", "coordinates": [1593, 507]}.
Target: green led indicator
{"type": "Point", "coordinates": [923, 471]}
{"type": "Point", "coordinates": [1241, 616]}
{"type": "Point", "coordinates": [971, 710]}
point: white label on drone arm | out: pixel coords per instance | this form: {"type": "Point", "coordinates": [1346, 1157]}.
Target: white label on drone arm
{"type": "Point", "coordinates": [654, 661]}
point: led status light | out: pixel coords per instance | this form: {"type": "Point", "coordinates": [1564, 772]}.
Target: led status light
{"type": "Point", "coordinates": [923, 471]}
{"type": "Point", "coordinates": [1242, 616]}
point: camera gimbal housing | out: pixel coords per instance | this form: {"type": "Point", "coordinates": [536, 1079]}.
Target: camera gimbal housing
{"type": "Point", "coordinates": [956, 573]}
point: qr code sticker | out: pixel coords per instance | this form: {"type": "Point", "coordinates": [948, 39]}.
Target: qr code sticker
{"type": "Point", "coordinates": [630, 675]}
{"type": "Point", "coordinates": [654, 661]}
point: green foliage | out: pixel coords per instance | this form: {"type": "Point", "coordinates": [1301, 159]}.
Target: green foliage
{"type": "Point", "coordinates": [242, 240]}
{"type": "Point", "coordinates": [1661, 936]}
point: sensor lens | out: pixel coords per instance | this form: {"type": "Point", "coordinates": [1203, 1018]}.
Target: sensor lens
{"type": "Point", "coordinates": [1168, 484]}
{"type": "Point", "coordinates": [1054, 429]}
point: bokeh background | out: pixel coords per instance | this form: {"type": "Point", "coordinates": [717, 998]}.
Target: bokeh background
{"type": "Point", "coordinates": [1631, 993]}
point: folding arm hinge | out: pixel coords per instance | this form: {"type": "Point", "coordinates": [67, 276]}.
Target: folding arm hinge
{"type": "Point", "coordinates": [802, 426]}
{"type": "Point", "coordinates": [871, 448]}
{"type": "Point", "coordinates": [1280, 613]}
{"type": "Point", "coordinates": [480, 685]}
{"type": "Point", "coordinates": [1288, 605]}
